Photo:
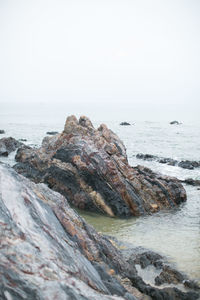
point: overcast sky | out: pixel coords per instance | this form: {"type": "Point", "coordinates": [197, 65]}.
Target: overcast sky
{"type": "Point", "coordinates": [136, 59]}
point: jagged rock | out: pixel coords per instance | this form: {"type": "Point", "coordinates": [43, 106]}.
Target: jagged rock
{"type": "Point", "coordinates": [47, 251]}
{"type": "Point", "coordinates": [52, 132]}
{"type": "Point", "coordinates": [90, 168]}
{"type": "Point", "coordinates": [2, 131]}
{"type": "Point", "coordinates": [7, 145]}
{"type": "Point", "coordinates": [175, 123]}
{"type": "Point", "coordinates": [125, 123]}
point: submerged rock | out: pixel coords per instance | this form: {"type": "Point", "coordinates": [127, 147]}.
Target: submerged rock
{"type": "Point", "coordinates": [7, 145]}
{"type": "Point", "coordinates": [47, 251]}
{"type": "Point", "coordinates": [90, 168]}
{"type": "Point", "coordinates": [125, 123]}
{"type": "Point", "coordinates": [2, 131]}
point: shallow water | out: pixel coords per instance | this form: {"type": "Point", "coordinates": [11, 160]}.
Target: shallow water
{"type": "Point", "coordinates": [174, 233]}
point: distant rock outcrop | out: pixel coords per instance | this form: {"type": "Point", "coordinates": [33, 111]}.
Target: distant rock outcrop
{"type": "Point", "coordinates": [90, 168]}
{"type": "Point", "coordinates": [125, 123]}
{"type": "Point", "coordinates": [52, 132]}
{"type": "Point", "coordinates": [175, 123]}
{"type": "Point", "coordinates": [2, 131]}
{"type": "Point", "coordinates": [185, 164]}
{"type": "Point", "coordinates": [7, 145]}
{"type": "Point", "coordinates": [47, 251]}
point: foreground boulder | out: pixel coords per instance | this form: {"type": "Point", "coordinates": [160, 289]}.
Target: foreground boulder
{"type": "Point", "coordinates": [90, 168]}
{"type": "Point", "coordinates": [7, 145]}
{"type": "Point", "coordinates": [49, 252]}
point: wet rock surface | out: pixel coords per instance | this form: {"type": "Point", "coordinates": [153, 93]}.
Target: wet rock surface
{"type": "Point", "coordinates": [168, 277]}
{"type": "Point", "coordinates": [7, 145]}
{"type": "Point", "coordinates": [185, 164]}
{"type": "Point", "coordinates": [90, 168]}
{"type": "Point", "coordinates": [47, 251]}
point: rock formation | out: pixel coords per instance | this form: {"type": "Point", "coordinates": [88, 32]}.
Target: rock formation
{"type": "Point", "coordinates": [49, 252]}
{"type": "Point", "coordinates": [52, 132]}
{"type": "Point", "coordinates": [125, 123]}
{"type": "Point", "coordinates": [175, 123]}
{"type": "Point", "coordinates": [185, 164]}
{"type": "Point", "coordinates": [90, 168]}
{"type": "Point", "coordinates": [7, 145]}
{"type": "Point", "coordinates": [2, 131]}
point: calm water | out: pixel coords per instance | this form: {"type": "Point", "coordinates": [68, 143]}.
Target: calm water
{"type": "Point", "coordinates": [175, 233]}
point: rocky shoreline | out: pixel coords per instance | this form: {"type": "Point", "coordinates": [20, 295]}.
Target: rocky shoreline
{"type": "Point", "coordinates": [47, 250]}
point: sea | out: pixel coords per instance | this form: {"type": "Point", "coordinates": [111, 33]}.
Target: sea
{"type": "Point", "coordinates": [173, 233]}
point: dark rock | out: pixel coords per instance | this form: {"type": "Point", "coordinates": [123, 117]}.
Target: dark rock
{"type": "Point", "coordinates": [23, 140]}
{"type": "Point", "coordinates": [190, 165]}
{"type": "Point", "coordinates": [52, 132]}
{"type": "Point", "coordinates": [168, 161]}
{"type": "Point", "coordinates": [162, 294]}
{"type": "Point", "coordinates": [191, 181]}
{"type": "Point", "coordinates": [175, 123]}
{"type": "Point", "coordinates": [186, 164]}
{"type": "Point", "coordinates": [191, 284]}
{"type": "Point", "coordinates": [146, 156]}
{"type": "Point", "coordinates": [147, 258]}
{"type": "Point", "coordinates": [2, 131]}
{"type": "Point", "coordinates": [125, 123]}
{"type": "Point", "coordinates": [7, 145]}
{"type": "Point", "coordinates": [90, 168]}
{"type": "Point", "coordinates": [162, 160]}
{"type": "Point", "coordinates": [169, 275]}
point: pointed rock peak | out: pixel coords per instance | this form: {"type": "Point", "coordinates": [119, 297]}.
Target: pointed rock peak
{"type": "Point", "coordinates": [85, 121]}
{"type": "Point", "coordinates": [102, 127]}
{"type": "Point", "coordinates": [70, 124]}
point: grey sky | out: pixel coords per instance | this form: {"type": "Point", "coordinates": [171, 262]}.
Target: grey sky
{"type": "Point", "coordinates": [138, 59]}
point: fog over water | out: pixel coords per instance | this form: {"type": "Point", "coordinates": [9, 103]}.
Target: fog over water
{"type": "Point", "coordinates": [107, 59]}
